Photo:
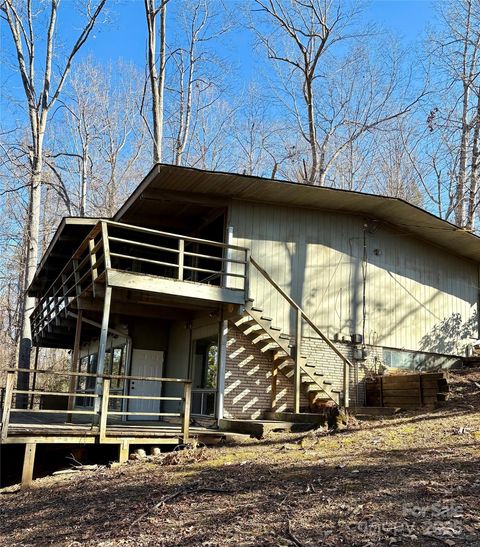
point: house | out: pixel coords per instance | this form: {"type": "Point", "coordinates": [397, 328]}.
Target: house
{"type": "Point", "coordinates": [264, 294]}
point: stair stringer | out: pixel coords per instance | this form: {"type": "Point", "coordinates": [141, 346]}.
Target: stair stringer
{"type": "Point", "coordinates": [262, 334]}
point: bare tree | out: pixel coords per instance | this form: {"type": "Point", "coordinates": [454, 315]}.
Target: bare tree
{"type": "Point", "coordinates": [100, 144]}
{"type": "Point", "coordinates": [453, 122]}
{"type": "Point", "coordinates": [156, 70]}
{"type": "Point", "coordinates": [331, 110]}
{"type": "Point", "coordinates": [41, 94]}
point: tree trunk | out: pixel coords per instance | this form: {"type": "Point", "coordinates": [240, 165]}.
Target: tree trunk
{"type": "Point", "coordinates": [462, 167]}
{"type": "Point", "coordinates": [33, 232]}
{"type": "Point", "coordinates": [157, 77]}
{"type": "Point", "coordinates": [83, 181]}
{"type": "Point", "coordinates": [312, 131]}
{"type": "Point", "coordinates": [475, 170]}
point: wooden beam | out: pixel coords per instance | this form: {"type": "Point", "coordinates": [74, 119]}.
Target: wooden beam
{"type": "Point", "coordinates": [274, 387]}
{"type": "Point", "coordinates": [74, 363]}
{"type": "Point", "coordinates": [123, 452]}
{"type": "Point", "coordinates": [173, 287]}
{"type": "Point", "coordinates": [187, 403]}
{"type": "Point", "coordinates": [184, 197]}
{"type": "Point", "coordinates": [297, 378]}
{"type": "Point", "coordinates": [142, 308]}
{"type": "Point", "coordinates": [28, 464]}
{"type": "Point", "coordinates": [102, 345]}
{"type": "Point", "coordinates": [104, 410]}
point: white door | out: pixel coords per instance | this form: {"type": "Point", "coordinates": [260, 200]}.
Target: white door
{"type": "Point", "coordinates": [145, 363]}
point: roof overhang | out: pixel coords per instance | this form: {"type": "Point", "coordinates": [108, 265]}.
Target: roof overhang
{"type": "Point", "coordinates": [69, 235]}
{"type": "Point", "coordinates": [173, 183]}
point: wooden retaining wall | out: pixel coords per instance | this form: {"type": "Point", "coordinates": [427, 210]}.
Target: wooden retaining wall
{"type": "Point", "coordinates": [407, 390]}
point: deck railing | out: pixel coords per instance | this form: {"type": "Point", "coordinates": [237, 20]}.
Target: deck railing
{"type": "Point", "coordinates": [106, 416]}
{"type": "Point", "coordinates": [113, 245]}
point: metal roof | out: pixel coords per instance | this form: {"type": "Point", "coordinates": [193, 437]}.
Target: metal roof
{"type": "Point", "coordinates": [165, 181]}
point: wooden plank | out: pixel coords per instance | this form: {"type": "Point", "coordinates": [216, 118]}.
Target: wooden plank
{"type": "Point", "coordinates": [146, 398]}
{"type": "Point", "coordinates": [28, 464]}
{"type": "Point", "coordinates": [104, 409]}
{"type": "Point", "coordinates": [123, 451]}
{"type": "Point", "coordinates": [111, 376]}
{"type": "Point", "coordinates": [48, 411]}
{"type": "Point", "coordinates": [75, 361]}
{"type": "Point", "coordinates": [186, 289]}
{"type": "Point", "coordinates": [187, 403]}
{"type": "Point", "coordinates": [274, 387]}
{"type": "Point", "coordinates": [39, 439]}
{"type": "Point", "coordinates": [120, 413]}
{"type": "Point", "coordinates": [298, 372]}
{"type": "Point", "coordinates": [102, 345]}
{"type": "Point", "coordinates": [405, 393]}
{"type": "Point", "coordinates": [7, 404]}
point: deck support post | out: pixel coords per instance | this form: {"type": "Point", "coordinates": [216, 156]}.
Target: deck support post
{"type": "Point", "coordinates": [187, 403]}
{"type": "Point", "coordinates": [346, 384]}
{"type": "Point", "coordinates": [74, 364]}
{"type": "Point", "coordinates": [28, 464]}
{"type": "Point", "coordinates": [274, 387]}
{"type": "Point", "coordinates": [298, 338]}
{"type": "Point", "coordinates": [104, 410]}
{"type": "Point", "coordinates": [123, 451]}
{"type": "Point", "coordinates": [102, 347]}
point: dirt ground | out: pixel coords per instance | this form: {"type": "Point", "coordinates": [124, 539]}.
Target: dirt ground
{"type": "Point", "coordinates": [409, 480]}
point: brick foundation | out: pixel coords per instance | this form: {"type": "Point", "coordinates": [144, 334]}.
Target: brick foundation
{"type": "Point", "coordinates": [248, 375]}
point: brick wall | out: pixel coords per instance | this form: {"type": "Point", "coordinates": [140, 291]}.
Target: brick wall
{"type": "Point", "coordinates": [248, 374]}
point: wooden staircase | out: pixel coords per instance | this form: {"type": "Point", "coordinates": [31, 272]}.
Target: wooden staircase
{"type": "Point", "coordinates": [258, 328]}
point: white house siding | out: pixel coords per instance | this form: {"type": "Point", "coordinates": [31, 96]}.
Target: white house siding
{"type": "Point", "coordinates": [418, 297]}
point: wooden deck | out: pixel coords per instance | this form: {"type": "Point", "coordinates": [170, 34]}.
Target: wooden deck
{"type": "Point", "coordinates": [28, 428]}
{"type": "Point", "coordinates": [98, 424]}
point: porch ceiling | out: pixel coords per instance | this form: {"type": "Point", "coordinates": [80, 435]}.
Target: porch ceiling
{"type": "Point", "coordinates": [168, 183]}
{"type": "Point", "coordinates": [69, 235]}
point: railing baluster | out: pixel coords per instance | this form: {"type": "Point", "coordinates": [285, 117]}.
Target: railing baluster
{"type": "Point", "coordinates": [106, 246]}
{"type": "Point", "coordinates": [187, 403]}
{"type": "Point", "coordinates": [298, 345]}
{"type": "Point", "coordinates": [181, 258]}
{"type": "Point", "coordinates": [246, 281]}
{"type": "Point", "coordinates": [7, 404]}
{"type": "Point", "coordinates": [93, 260]}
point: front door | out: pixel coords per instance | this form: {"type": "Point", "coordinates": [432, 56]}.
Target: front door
{"type": "Point", "coordinates": [145, 363]}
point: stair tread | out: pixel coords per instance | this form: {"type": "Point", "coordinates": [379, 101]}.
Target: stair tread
{"type": "Point", "coordinates": [266, 318]}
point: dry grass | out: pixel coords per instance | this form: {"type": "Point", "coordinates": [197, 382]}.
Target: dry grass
{"type": "Point", "coordinates": [407, 480]}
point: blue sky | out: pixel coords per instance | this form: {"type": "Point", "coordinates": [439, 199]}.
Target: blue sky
{"type": "Point", "coordinates": [124, 37]}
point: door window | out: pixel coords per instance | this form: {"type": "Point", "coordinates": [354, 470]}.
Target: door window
{"type": "Point", "coordinates": [205, 376]}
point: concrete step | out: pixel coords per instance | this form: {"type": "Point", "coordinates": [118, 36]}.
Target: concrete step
{"type": "Point", "coordinates": [300, 417]}
{"type": "Point", "coordinates": [260, 428]}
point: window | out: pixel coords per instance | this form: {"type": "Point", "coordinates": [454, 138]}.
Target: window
{"type": "Point", "coordinates": [115, 361]}
{"type": "Point", "coordinates": [205, 376]}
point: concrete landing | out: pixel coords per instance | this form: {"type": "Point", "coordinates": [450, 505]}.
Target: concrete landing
{"type": "Point", "coordinates": [374, 411]}
{"type": "Point", "coordinates": [260, 428]}
{"type": "Point", "coordinates": [300, 418]}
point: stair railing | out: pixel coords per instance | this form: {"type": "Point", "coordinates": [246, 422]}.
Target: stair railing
{"type": "Point", "coordinates": [301, 315]}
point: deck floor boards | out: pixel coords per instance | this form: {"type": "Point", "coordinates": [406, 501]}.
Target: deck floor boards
{"type": "Point", "coordinates": [25, 425]}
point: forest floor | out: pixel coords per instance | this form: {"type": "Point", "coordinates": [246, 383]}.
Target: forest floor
{"type": "Point", "coordinates": [411, 479]}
